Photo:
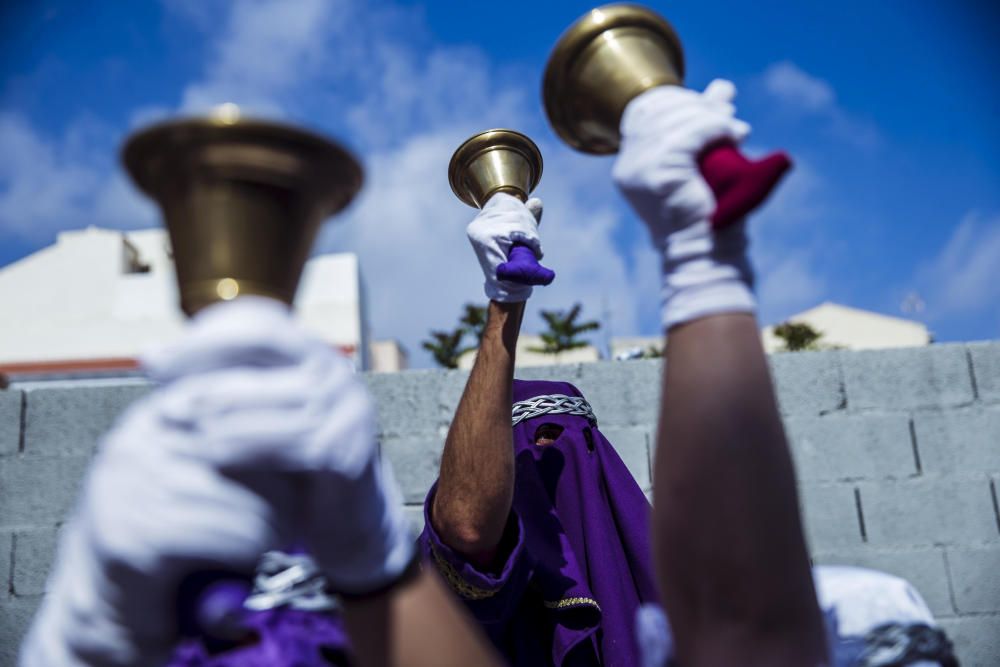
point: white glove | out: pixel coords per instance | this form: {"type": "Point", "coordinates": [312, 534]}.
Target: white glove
{"type": "Point", "coordinates": [663, 131]}
{"type": "Point", "coordinates": [259, 436]}
{"type": "Point", "coordinates": [503, 221]}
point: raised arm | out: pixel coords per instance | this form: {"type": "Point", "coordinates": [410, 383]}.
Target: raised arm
{"type": "Point", "coordinates": [731, 557]}
{"type": "Point", "coordinates": [476, 485]}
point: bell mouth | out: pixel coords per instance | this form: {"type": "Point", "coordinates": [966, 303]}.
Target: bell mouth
{"type": "Point", "coordinates": [163, 155]}
{"type": "Point", "coordinates": [606, 40]}
{"type": "Point", "coordinates": [517, 167]}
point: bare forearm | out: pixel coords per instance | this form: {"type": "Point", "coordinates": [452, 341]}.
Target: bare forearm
{"type": "Point", "coordinates": [476, 485]}
{"type": "Point", "coordinates": [415, 624]}
{"type": "Point", "coordinates": [730, 551]}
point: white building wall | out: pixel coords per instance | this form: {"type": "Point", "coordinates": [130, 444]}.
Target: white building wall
{"type": "Point", "coordinates": [82, 299]}
{"type": "Point", "coordinates": [854, 329]}
{"type": "Point", "coordinates": [525, 357]}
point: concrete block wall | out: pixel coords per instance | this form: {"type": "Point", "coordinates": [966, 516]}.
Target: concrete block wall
{"type": "Point", "coordinates": [897, 453]}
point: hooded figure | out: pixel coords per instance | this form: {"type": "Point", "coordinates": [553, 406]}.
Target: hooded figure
{"type": "Point", "coordinates": [575, 561]}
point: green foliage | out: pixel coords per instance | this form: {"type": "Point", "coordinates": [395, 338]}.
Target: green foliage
{"type": "Point", "coordinates": [653, 352]}
{"type": "Point", "coordinates": [564, 331]}
{"type": "Point", "coordinates": [798, 336]}
{"type": "Point", "coordinates": [474, 320]}
{"type": "Point", "coordinates": [446, 347]}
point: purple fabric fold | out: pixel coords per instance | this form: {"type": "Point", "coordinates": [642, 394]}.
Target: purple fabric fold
{"type": "Point", "coordinates": [587, 523]}
{"type": "Point", "coordinates": [281, 637]}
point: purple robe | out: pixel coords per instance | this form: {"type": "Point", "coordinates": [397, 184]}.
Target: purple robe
{"type": "Point", "coordinates": [576, 552]}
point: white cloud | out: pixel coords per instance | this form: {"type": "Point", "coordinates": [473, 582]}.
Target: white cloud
{"type": "Point", "coordinates": [368, 76]}
{"type": "Point", "coordinates": [48, 184]}
{"type": "Point", "coordinates": [788, 286]}
{"type": "Point", "coordinates": [963, 278]}
{"type": "Point", "coordinates": [788, 83]}
{"type": "Point", "coordinates": [800, 92]}
{"type": "Point", "coordinates": [264, 48]}
{"type": "Point", "coordinates": [365, 74]}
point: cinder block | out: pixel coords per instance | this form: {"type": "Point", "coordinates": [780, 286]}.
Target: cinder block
{"type": "Point", "coordinates": [920, 377]}
{"type": "Point", "coordinates": [851, 446]}
{"type": "Point", "coordinates": [808, 383]}
{"type": "Point", "coordinates": [556, 373]}
{"type": "Point", "coordinates": [643, 383]}
{"type": "Point", "coordinates": [15, 617]}
{"type": "Point", "coordinates": [10, 420]}
{"type": "Point", "coordinates": [451, 388]}
{"type": "Point", "coordinates": [986, 369]}
{"type": "Point", "coordinates": [6, 561]}
{"type": "Point", "coordinates": [975, 578]}
{"type": "Point", "coordinates": [416, 462]}
{"type": "Point", "coordinates": [976, 639]}
{"type": "Point", "coordinates": [632, 445]}
{"type": "Point", "coordinates": [70, 420]}
{"type": "Point", "coordinates": [37, 492]}
{"type": "Point", "coordinates": [959, 441]}
{"type": "Point", "coordinates": [607, 391]}
{"type": "Point", "coordinates": [415, 515]}
{"type": "Point", "coordinates": [928, 511]}
{"type": "Point", "coordinates": [924, 568]}
{"type": "Point", "coordinates": [33, 555]}
{"type": "Point", "coordinates": [830, 515]}
{"type": "Point", "coordinates": [408, 403]}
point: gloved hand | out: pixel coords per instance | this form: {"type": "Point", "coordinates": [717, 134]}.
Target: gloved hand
{"type": "Point", "coordinates": [663, 132]}
{"type": "Point", "coordinates": [503, 221]}
{"type": "Point", "coordinates": [260, 436]}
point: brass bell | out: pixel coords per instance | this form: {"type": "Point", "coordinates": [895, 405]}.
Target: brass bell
{"type": "Point", "coordinates": [242, 200]}
{"type": "Point", "coordinates": [603, 61]}
{"type": "Point", "coordinates": [612, 55]}
{"type": "Point", "coordinates": [495, 161]}
{"type": "Point", "coordinates": [501, 161]}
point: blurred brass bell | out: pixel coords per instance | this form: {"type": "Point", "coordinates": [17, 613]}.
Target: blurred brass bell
{"type": "Point", "coordinates": [242, 200]}
{"type": "Point", "coordinates": [604, 60]}
{"type": "Point", "coordinates": [495, 161]}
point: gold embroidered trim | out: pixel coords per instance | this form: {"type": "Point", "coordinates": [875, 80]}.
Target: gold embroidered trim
{"type": "Point", "coordinates": [457, 583]}
{"type": "Point", "coordinates": [572, 602]}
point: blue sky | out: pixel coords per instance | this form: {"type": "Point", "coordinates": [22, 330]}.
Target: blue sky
{"type": "Point", "coordinates": [890, 110]}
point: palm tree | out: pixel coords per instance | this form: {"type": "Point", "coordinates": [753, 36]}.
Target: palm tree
{"type": "Point", "coordinates": [563, 330]}
{"type": "Point", "coordinates": [474, 320]}
{"type": "Point", "coordinates": [446, 347]}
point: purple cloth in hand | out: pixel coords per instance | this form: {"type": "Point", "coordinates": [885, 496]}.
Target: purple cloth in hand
{"type": "Point", "coordinates": [219, 631]}
{"type": "Point", "coordinates": [281, 637]}
{"type": "Point", "coordinates": [523, 268]}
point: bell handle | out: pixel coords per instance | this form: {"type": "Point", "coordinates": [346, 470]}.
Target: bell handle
{"type": "Point", "coordinates": [740, 185]}
{"type": "Point", "coordinates": [522, 266]}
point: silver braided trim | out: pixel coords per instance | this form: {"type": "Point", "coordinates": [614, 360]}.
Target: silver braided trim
{"type": "Point", "coordinates": [552, 404]}
{"type": "Point", "coordinates": [292, 580]}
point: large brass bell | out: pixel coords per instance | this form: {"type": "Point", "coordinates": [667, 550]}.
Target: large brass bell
{"type": "Point", "coordinates": [610, 56]}
{"type": "Point", "coordinates": [606, 58]}
{"type": "Point", "coordinates": [497, 161]}
{"type": "Point", "coordinates": [242, 200]}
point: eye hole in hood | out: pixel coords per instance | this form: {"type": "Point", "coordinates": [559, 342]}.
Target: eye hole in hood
{"type": "Point", "coordinates": [547, 433]}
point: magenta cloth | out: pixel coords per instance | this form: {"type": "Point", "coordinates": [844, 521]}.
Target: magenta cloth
{"type": "Point", "coordinates": [739, 185]}
{"type": "Point", "coordinates": [577, 550]}
{"type": "Point", "coordinates": [522, 267]}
